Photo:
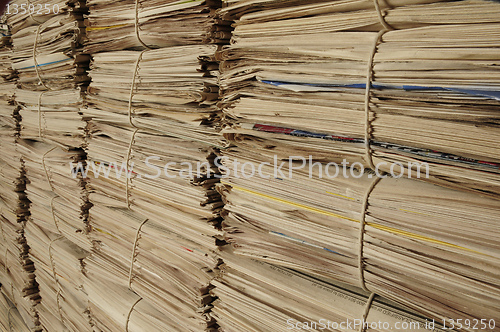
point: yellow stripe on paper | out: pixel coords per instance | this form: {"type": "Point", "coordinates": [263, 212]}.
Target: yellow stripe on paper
{"type": "Point", "coordinates": [377, 226]}
{"type": "Point", "coordinates": [340, 195]}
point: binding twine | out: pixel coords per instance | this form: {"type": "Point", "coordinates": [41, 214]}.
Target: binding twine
{"type": "Point", "coordinates": [37, 70]}
{"type": "Point", "coordinates": [34, 58]}
{"type": "Point", "coordinates": [136, 241]}
{"type": "Point", "coordinates": [54, 214]}
{"type": "Point", "coordinates": [129, 154]}
{"type": "Point", "coordinates": [40, 114]}
{"type": "Point", "coordinates": [8, 317]}
{"type": "Point", "coordinates": [369, 78]}
{"type": "Point", "coordinates": [361, 264]}
{"type": "Point", "coordinates": [130, 313]}
{"type": "Point", "coordinates": [130, 119]}
{"type": "Point", "coordinates": [361, 269]}
{"type": "Point", "coordinates": [137, 25]}
{"type": "Point", "coordinates": [381, 16]}
{"type": "Point", "coordinates": [54, 274]}
{"type": "Point", "coordinates": [45, 167]}
{"type": "Point", "coordinates": [56, 223]}
{"type": "Point", "coordinates": [31, 13]}
{"type": "Point", "coordinates": [132, 86]}
{"type": "Point", "coordinates": [369, 160]}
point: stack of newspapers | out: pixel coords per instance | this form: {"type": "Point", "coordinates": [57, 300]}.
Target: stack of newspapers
{"type": "Point", "coordinates": [115, 308]}
{"type": "Point", "coordinates": [163, 269]}
{"type": "Point", "coordinates": [257, 296]}
{"type": "Point", "coordinates": [52, 70]}
{"type": "Point", "coordinates": [316, 92]}
{"type": "Point", "coordinates": [10, 318]}
{"type": "Point", "coordinates": [59, 267]}
{"type": "Point", "coordinates": [47, 56]}
{"type": "Point", "coordinates": [19, 288]}
{"type": "Point", "coordinates": [56, 233]}
{"type": "Point", "coordinates": [155, 217]}
{"type": "Point", "coordinates": [328, 79]}
{"type": "Point", "coordinates": [413, 250]}
{"type": "Point", "coordinates": [120, 25]}
{"type": "Point", "coordinates": [250, 165]}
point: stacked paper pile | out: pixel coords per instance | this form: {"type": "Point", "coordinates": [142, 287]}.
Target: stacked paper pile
{"type": "Point", "coordinates": [10, 318]}
{"type": "Point", "coordinates": [294, 93]}
{"type": "Point", "coordinates": [56, 233]}
{"type": "Point", "coordinates": [155, 210]}
{"type": "Point", "coordinates": [57, 192]}
{"type": "Point", "coordinates": [184, 179]}
{"type": "Point", "coordinates": [413, 251]}
{"type": "Point", "coordinates": [120, 25]}
{"type": "Point", "coordinates": [115, 308]}
{"type": "Point", "coordinates": [169, 271]}
{"type": "Point", "coordinates": [52, 71]}
{"type": "Point", "coordinates": [258, 296]}
{"type": "Point", "coordinates": [295, 80]}
{"type": "Point", "coordinates": [294, 85]}
{"type": "Point", "coordinates": [46, 47]}
{"type": "Point", "coordinates": [59, 267]}
{"type": "Point", "coordinates": [16, 273]}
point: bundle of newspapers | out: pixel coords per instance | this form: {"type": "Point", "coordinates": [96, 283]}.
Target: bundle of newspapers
{"type": "Point", "coordinates": [121, 25]}
{"type": "Point", "coordinates": [163, 179]}
{"type": "Point", "coordinates": [250, 165]}
{"type": "Point", "coordinates": [59, 273]}
{"type": "Point", "coordinates": [10, 318]}
{"type": "Point", "coordinates": [316, 92]}
{"type": "Point", "coordinates": [159, 260]}
{"type": "Point", "coordinates": [19, 288]}
{"type": "Point", "coordinates": [427, 247]}
{"type": "Point", "coordinates": [58, 195]}
{"type": "Point", "coordinates": [47, 49]}
{"type": "Point", "coordinates": [155, 214]}
{"type": "Point", "coordinates": [171, 90]}
{"type": "Point", "coordinates": [52, 71]}
{"type": "Point", "coordinates": [256, 296]}
{"type": "Point", "coordinates": [47, 55]}
{"type": "Point", "coordinates": [419, 84]}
